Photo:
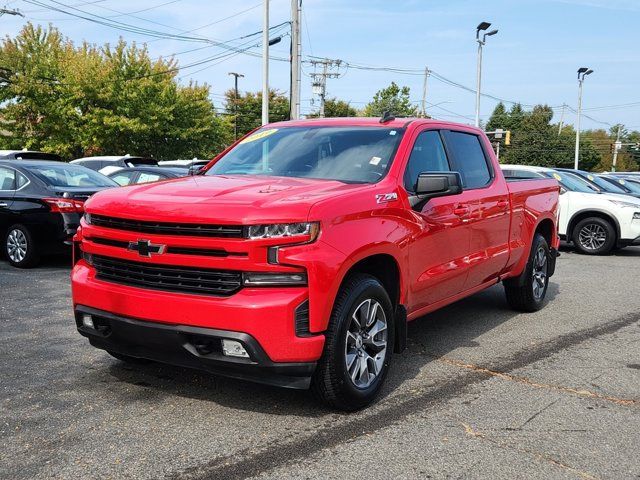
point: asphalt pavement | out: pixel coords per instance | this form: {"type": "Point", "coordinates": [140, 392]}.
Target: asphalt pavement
{"type": "Point", "coordinates": [480, 392]}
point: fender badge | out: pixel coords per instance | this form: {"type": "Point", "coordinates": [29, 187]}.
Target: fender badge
{"type": "Point", "coordinates": [386, 197]}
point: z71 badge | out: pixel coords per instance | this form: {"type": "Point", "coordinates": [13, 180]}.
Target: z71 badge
{"type": "Point", "coordinates": [386, 197]}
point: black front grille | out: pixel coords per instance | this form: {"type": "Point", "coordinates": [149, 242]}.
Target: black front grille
{"type": "Point", "coordinates": [211, 252]}
{"type": "Point", "coordinates": [192, 229]}
{"type": "Point", "coordinates": [166, 277]}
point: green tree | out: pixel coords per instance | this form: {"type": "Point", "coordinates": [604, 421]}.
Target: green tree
{"type": "Point", "coordinates": [393, 99]}
{"type": "Point", "coordinates": [89, 100]}
{"type": "Point", "coordinates": [535, 140]}
{"type": "Point", "coordinates": [336, 108]}
{"type": "Point", "coordinates": [248, 108]}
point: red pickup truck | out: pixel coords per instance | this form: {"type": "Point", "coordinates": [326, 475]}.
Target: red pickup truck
{"type": "Point", "coordinates": [299, 254]}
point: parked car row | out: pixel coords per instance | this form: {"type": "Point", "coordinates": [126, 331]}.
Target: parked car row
{"type": "Point", "coordinates": [598, 213]}
{"type": "Point", "coordinates": [42, 197]}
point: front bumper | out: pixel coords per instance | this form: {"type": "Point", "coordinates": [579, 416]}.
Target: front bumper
{"type": "Point", "coordinates": [266, 314]}
{"type": "Point", "coordinates": [191, 347]}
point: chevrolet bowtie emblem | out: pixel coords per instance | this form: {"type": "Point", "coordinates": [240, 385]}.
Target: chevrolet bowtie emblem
{"type": "Point", "coordinates": [145, 248]}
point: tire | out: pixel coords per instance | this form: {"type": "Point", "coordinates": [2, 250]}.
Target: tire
{"type": "Point", "coordinates": [594, 236]}
{"type": "Point", "coordinates": [527, 292]}
{"type": "Point", "coordinates": [20, 248]}
{"type": "Point", "coordinates": [128, 358]}
{"type": "Point", "coordinates": [352, 387]}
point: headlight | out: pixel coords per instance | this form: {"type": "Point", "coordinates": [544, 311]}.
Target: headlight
{"type": "Point", "coordinates": [273, 279]}
{"type": "Point", "coordinates": [621, 203]}
{"type": "Point", "coordinates": [87, 218]}
{"type": "Point", "coordinates": [282, 230]}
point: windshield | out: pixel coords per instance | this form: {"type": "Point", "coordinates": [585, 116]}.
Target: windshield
{"type": "Point", "coordinates": [571, 182]}
{"type": "Point", "coordinates": [347, 154]}
{"type": "Point", "coordinates": [604, 185]}
{"type": "Point", "coordinates": [65, 175]}
{"type": "Point", "coordinates": [632, 185]}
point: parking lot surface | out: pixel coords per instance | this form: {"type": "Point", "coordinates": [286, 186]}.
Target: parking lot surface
{"type": "Point", "coordinates": [481, 391]}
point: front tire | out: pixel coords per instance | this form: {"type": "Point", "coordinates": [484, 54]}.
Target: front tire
{"type": "Point", "coordinates": [527, 292]}
{"type": "Point", "coordinates": [20, 248]}
{"type": "Point", "coordinates": [358, 345]}
{"type": "Point", "coordinates": [594, 236]}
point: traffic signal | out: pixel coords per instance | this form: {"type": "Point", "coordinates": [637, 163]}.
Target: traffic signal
{"type": "Point", "coordinates": [507, 137]}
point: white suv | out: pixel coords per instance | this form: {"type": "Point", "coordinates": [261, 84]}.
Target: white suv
{"type": "Point", "coordinates": [595, 223]}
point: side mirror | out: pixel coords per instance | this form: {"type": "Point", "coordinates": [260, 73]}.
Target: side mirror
{"type": "Point", "coordinates": [438, 184]}
{"type": "Point", "coordinates": [562, 190]}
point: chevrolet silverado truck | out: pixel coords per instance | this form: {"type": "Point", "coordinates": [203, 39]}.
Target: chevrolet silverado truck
{"type": "Point", "coordinates": [299, 254]}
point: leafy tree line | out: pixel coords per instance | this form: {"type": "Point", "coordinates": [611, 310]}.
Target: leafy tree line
{"type": "Point", "coordinates": [91, 100]}
{"type": "Point", "coordinates": [536, 140]}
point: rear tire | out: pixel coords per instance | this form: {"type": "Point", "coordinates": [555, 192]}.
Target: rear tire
{"type": "Point", "coordinates": [594, 236]}
{"type": "Point", "coordinates": [20, 248]}
{"type": "Point", "coordinates": [358, 345]}
{"type": "Point", "coordinates": [527, 292]}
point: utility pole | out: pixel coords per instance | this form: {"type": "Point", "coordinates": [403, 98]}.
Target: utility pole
{"type": "Point", "coordinates": [319, 84]}
{"type": "Point", "coordinates": [294, 96]}
{"type": "Point", "coordinates": [6, 11]}
{"type": "Point", "coordinates": [423, 110]}
{"type": "Point", "coordinates": [616, 148]}
{"type": "Point", "coordinates": [564, 106]}
{"type": "Point", "coordinates": [265, 63]}
{"type": "Point", "coordinates": [480, 28]}
{"type": "Point", "coordinates": [582, 72]}
{"type": "Point", "coordinates": [235, 103]}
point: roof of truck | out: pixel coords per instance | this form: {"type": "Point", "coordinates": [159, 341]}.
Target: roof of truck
{"type": "Point", "coordinates": [399, 122]}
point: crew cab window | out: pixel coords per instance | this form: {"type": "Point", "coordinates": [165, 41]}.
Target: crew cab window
{"type": "Point", "coordinates": [469, 158]}
{"type": "Point", "coordinates": [427, 155]}
{"type": "Point", "coordinates": [7, 179]}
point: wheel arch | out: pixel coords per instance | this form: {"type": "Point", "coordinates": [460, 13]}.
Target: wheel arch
{"type": "Point", "coordinates": [383, 264]}
{"type": "Point", "coordinates": [592, 212]}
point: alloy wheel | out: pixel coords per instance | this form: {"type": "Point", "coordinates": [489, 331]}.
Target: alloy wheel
{"type": "Point", "coordinates": [539, 273]}
{"type": "Point", "coordinates": [592, 236]}
{"type": "Point", "coordinates": [366, 343]}
{"type": "Point", "coordinates": [17, 245]}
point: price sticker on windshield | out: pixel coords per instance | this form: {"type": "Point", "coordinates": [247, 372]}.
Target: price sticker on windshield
{"type": "Point", "coordinates": [259, 135]}
{"type": "Point", "coordinates": [557, 177]}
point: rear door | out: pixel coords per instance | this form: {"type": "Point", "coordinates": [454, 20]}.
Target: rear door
{"type": "Point", "coordinates": [489, 219]}
{"type": "Point", "coordinates": [437, 255]}
{"type": "Point", "coordinates": [7, 192]}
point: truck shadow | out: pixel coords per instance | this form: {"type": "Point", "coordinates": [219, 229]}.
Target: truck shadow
{"type": "Point", "coordinates": [457, 326]}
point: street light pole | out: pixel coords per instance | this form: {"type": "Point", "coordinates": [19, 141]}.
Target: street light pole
{"type": "Point", "coordinates": [265, 63]}
{"type": "Point", "coordinates": [235, 103]}
{"type": "Point", "coordinates": [480, 28]}
{"type": "Point", "coordinates": [582, 72]}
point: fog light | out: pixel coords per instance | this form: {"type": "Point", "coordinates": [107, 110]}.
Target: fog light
{"type": "Point", "coordinates": [231, 348]}
{"type": "Point", "coordinates": [636, 216]}
{"type": "Point", "coordinates": [87, 321]}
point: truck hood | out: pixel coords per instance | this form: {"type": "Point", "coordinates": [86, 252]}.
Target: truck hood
{"type": "Point", "coordinates": [237, 199]}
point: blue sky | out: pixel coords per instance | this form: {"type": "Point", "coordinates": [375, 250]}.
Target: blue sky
{"type": "Point", "coordinates": [533, 59]}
